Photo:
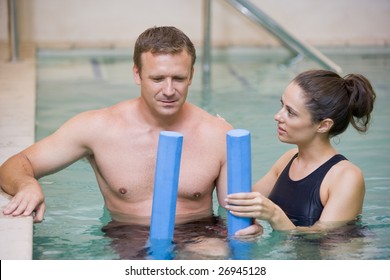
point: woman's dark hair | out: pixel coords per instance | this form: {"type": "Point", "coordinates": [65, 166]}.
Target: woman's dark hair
{"type": "Point", "coordinates": [162, 40]}
{"type": "Point", "coordinates": [345, 100]}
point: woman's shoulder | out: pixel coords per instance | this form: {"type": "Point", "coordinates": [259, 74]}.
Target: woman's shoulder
{"type": "Point", "coordinates": [345, 168]}
{"type": "Point", "coordinates": [345, 174]}
{"type": "Point", "coordinates": [343, 186]}
{"type": "Point", "coordinates": [287, 156]}
{"type": "Point", "coordinates": [282, 162]}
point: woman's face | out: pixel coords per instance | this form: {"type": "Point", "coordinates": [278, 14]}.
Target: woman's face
{"type": "Point", "coordinates": [294, 122]}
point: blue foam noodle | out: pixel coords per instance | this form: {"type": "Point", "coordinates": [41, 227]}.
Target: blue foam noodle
{"type": "Point", "coordinates": [239, 169]}
{"type": "Point", "coordinates": [166, 182]}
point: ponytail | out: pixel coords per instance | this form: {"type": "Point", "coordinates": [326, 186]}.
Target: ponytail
{"type": "Point", "coordinates": [361, 100]}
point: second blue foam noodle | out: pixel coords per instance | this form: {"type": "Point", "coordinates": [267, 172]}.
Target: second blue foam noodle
{"type": "Point", "coordinates": [239, 170]}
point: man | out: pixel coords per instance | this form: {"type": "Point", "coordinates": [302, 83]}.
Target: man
{"type": "Point", "coordinates": [120, 142]}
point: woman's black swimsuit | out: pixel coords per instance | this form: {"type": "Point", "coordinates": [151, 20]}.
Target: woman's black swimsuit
{"type": "Point", "coordinates": [300, 200]}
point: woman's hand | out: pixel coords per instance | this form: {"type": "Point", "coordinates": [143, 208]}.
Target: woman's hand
{"type": "Point", "coordinates": [255, 205]}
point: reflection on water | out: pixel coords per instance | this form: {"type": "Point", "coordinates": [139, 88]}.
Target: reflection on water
{"type": "Point", "coordinates": [201, 239]}
{"type": "Point", "coordinates": [207, 239]}
{"type": "Point", "coordinates": [246, 90]}
{"type": "Point", "coordinates": [347, 242]}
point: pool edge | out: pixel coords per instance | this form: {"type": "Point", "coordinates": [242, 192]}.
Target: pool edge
{"type": "Point", "coordinates": [17, 130]}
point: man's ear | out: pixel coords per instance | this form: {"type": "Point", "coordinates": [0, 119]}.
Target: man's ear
{"type": "Point", "coordinates": [325, 126]}
{"type": "Point", "coordinates": [136, 75]}
{"type": "Point", "coordinates": [192, 74]}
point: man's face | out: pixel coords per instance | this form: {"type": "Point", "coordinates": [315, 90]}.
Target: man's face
{"type": "Point", "coordinates": [164, 81]}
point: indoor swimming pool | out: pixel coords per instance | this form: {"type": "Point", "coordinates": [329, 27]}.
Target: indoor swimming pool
{"type": "Point", "coordinates": [246, 88]}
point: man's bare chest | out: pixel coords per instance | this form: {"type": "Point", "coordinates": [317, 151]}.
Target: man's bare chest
{"type": "Point", "coordinates": [130, 173]}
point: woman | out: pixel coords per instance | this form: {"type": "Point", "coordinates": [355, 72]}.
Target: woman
{"type": "Point", "coordinates": [312, 187]}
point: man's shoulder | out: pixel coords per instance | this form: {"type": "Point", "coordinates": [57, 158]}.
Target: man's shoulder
{"type": "Point", "coordinates": [101, 116]}
{"type": "Point", "coordinates": [207, 119]}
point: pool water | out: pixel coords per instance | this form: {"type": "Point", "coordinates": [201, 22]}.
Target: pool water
{"type": "Point", "coordinates": [246, 88]}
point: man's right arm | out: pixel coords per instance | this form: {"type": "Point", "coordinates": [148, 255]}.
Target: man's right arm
{"type": "Point", "coordinates": [17, 179]}
{"type": "Point", "coordinates": [19, 174]}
